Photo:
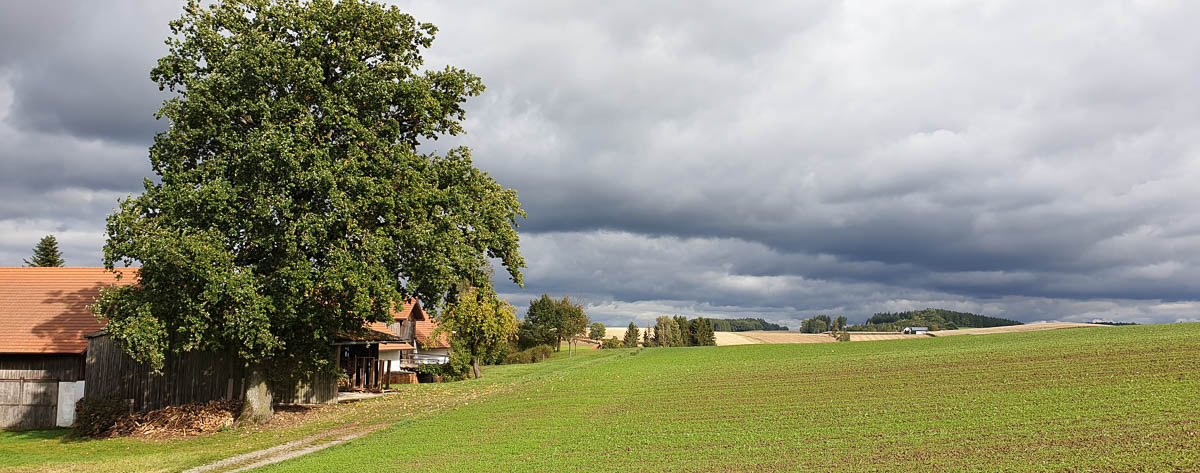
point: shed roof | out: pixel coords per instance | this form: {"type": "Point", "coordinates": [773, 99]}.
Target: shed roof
{"type": "Point", "coordinates": [394, 346]}
{"type": "Point", "coordinates": [44, 310]}
{"type": "Point", "coordinates": [424, 331]}
{"type": "Point", "coordinates": [374, 332]}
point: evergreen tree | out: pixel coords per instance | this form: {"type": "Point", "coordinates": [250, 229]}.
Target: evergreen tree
{"type": "Point", "coordinates": [647, 341]}
{"type": "Point", "coordinates": [686, 338]}
{"type": "Point", "coordinates": [46, 254]}
{"type": "Point", "coordinates": [631, 336]}
{"type": "Point", "coordinates": [702, 332]}
{"type": "Point", "coordinates": [666, 332]}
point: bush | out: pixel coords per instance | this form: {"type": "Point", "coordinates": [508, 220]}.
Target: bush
{"type": "Point", "coordinates": [517, 358]}
{"type": "Point", "coordinates": [611, 343]}
{"type": "Point", "coordinates": [532, 355]}
{"type": "Point", "coordinates": [541, 352]}
{"type": "Point", "coordinates": [95, 416]}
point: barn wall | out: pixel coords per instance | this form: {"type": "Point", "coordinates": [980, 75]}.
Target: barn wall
{"type": "Point", "coordinates": [29, 387]}
{"type": "Point", "coordinates": [191, 377]}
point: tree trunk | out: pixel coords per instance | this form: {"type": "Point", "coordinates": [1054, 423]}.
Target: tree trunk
{"type": "Point", "coordinates": [475, 366]}
{"type": "Point", "coordinates": [256, 404]}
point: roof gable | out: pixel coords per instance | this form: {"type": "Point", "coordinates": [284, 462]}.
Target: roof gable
{"type": "Point", "coordinates": [44, 310]}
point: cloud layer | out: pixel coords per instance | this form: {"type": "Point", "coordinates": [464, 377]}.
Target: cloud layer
{"type": "Point", "coordinates": [1026, 160]}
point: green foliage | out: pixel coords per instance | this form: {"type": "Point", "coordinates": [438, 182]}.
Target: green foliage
{"type": "Point", "coordinates": [631, 336]}
{"type": "Point", "coordinates": [46, 253]}
{"type": "Point", "coordinates": [702, 332]}
{"type": "Point", "coordinates": [482, 324]}
{"type": "Point", "coordinates": [647, 340]}
{"type": "Point", "coordinates": [596, 332]}
{"type": "Point", "coordinates": [292, 202]}
{"type": "Point", "coordinates": [686, 337]}
{"type": "Point", "coordinates": [518, 357]}
{"type": "Point", "coordinates": [541, 352]}
{"type": "Point", "coordinates": [744, 325]}
{"type": "Point", "coordinates": [532, 355]}
{"type": "Point", "coordinates": [530, 335]}
{"type": "Point", "coordinates": [666, 332]}
{"type": "Point", "coordinates": [550, 321]}
{"type": "Point", "coordinates": [95, 416]}
{"type": "Point", "coordinates": [816, 324]}
{"type": "Point", "coordinates": [935, 319]}
{"type": "Point", "coordinates": [612, 342]}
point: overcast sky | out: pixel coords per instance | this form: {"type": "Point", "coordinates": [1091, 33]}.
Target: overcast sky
{"type": "Point", "coordinates": [1030, 160]}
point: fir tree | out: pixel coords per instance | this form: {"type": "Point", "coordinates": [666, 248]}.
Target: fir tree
{"type": "Point", "coordinates": [46, 254]}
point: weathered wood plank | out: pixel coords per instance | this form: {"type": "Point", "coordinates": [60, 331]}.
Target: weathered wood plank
{"type": "Point", "coordinates": [187, 378]}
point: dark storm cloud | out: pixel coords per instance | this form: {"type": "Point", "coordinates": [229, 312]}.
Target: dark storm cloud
{"type": "Point", "coordinates": [1030, 160]}
{"type": "Point", "coordinates": [83, 69]}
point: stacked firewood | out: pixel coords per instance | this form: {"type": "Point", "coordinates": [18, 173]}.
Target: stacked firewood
{"type": "Point", "coordinates": [178, 421]}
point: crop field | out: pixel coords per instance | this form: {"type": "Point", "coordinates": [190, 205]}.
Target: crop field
{"type": "Point", "coordinates": [1109, 399]}
{"type": "Point", "coordinates": [1098, 399]}
{"type": "Point", "coordinates": [874, 337]}
{"type": "Point", "coordinates": [777, 336]}
{"type": "Point", "coordinates": [1014, 328]}
{"type": "Point", "coordinates": [722, 338]}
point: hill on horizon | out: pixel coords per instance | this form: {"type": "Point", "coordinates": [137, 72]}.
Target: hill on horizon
{"type": "Point", "coordinates": [935, 319]}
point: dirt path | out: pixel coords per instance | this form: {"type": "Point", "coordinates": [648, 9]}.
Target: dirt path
{"type": "Point", "coordinates": [287, 451]}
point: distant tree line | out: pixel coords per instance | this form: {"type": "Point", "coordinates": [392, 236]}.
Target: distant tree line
{"type": "Point", "coordinates": [935, 319]}
{"type": "Point", "coordinates": [743, 325]}
{"type": "Point", "coordinates": [679, 331]}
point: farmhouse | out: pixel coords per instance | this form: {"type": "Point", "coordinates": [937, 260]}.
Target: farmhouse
{"type": "Point", "coordinates": [418, 347]}
{"type": "Point", "coordinates": [43, 320]}
{"type": "Point", "coordinates": [53, 352]}
{"type": "Point", "coordinates": [915, 330]}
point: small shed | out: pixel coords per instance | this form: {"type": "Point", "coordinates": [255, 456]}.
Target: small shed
{"type": "Point", "coordinates": [43, 320]}
{"type": "Point", "coordinates": [915, 330]}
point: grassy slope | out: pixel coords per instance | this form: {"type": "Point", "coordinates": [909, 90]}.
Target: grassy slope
{"type": "Point", "coordinates": [55, 451]}
{"type": "Point", "coordinates": [1105, 399]}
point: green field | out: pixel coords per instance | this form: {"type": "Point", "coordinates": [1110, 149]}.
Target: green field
{"type": "Point", "coordinates": [1096, 399]}
{"type": "Point", "coordinates": [1102, 399]}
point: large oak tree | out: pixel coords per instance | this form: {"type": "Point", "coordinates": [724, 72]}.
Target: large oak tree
{"type": "Point", "coordinates": [294, 203]}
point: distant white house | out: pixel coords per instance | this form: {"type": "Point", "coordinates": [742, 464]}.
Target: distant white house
{"type": "Point", "coordinates": [915, 330]}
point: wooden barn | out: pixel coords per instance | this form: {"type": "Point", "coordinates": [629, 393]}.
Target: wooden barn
{"type": "Point", "coordinates": [43, 320]}
{"type": "Point", "coordinates": [207, 376]}
{"type": "Point", "coordinates": [53, 352]}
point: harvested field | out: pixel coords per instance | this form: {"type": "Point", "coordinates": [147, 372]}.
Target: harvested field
{"type": "Point", "coordinates": [1015, 328]}
{"type": "Point", "coordinates": [764, 336]}
{"type": "Point", "coordinates": [723, 338]}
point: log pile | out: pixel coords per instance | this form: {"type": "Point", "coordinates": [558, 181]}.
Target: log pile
{"type": "Point", "coordinates": [178, 421]}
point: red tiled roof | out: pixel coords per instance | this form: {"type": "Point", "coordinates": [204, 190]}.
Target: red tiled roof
{"type": "Point", "coordinates": [424, 330]}
{"type": "Point", "coordinates": [410, 309]}
{"type": "Point", "coordinates": [44, 310]}
{"type": "Point", "coordinates": [373, 332]}
{"type": "Point", "coordinates": [394, 346]}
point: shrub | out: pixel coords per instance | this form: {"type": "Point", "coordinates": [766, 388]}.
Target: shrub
{"type": "Point", "coordinates": [95, 416]}
{"type": "Point", "coordinates": [532, 355]}
{"type": "Point", "coordinates": [541, 352]}
{"type": "Point", "coordinates": [611, 343]}
{"type": "Point", "coordinates": [519, 357]}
